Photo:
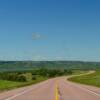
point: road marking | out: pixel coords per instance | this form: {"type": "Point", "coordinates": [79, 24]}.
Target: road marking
{"type": "Point", "coordinates": [56, 91]}
{"type": "Point", "coordinates": [19, 94]}
{"type": "Point", "coordinates": [87, 90]}
{"type": "Point", "coordinates": [22, 93]}
{"type": "Point", "coordinates": [92, 92]}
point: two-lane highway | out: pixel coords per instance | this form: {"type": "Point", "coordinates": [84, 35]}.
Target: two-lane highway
{"type": "Point", "coordinates": [53, 89]}
{"type": "Point", "coordinates": [42, 91]}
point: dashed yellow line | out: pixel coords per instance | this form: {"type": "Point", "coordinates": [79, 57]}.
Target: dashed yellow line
{"type": "Point", "coordinates": [56, 91]}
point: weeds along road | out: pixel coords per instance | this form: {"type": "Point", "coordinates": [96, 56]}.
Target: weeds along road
{"type": "Point", "coordinates": [53, 89]}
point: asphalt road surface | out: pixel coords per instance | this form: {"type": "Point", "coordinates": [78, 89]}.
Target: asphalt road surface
{"type": "Point", "coordinates": [53, 89]}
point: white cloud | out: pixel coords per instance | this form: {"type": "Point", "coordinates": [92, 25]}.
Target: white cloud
{"type": "Point", "coordinates": [36, 36]}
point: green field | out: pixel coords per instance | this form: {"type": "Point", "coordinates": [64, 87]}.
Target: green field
{"type": "Point", "coordinates": [78, 72]}
{"type": "Point", "coordinates": [7, 85]}
{"type": "Point", "coordinates": [92, 79]}
{"type": "Point", "coordinates": [10, 66]}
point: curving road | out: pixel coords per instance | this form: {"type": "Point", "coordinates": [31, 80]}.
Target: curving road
{"type": "Point", "coordinates": [53, 89]}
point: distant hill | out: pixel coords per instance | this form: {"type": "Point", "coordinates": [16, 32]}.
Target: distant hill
{"type": "Point", "coordinates": [30, 65]}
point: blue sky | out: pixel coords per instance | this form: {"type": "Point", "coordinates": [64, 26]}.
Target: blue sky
{"type": "Point", "coordinates": [67, 30]}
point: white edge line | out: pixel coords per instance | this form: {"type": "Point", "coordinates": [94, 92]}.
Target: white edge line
{"type": "Point", "coordinates": [92, 92]}
{"type": "Point", "coordinates": [19, 94]}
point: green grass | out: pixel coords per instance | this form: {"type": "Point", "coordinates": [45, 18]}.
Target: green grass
{"type": "Point", "coordinates": [78, 72]}
{"type": "Point", "coordinates": [7, 85]}
{"type": "Point", "coordinates": [92, 79]}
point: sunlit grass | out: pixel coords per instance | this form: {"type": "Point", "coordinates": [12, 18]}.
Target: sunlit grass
{"type": "Point", "coordinates": [6, 85]}
{"type": "Point", "coordinates": [92, 79]}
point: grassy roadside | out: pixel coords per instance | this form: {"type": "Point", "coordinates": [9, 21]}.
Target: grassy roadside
{"type": "Point", "coordinates": [7, 85]}
{"type": "Point", "coordinates": [92, 79]}
{"type": "Point", "coordinates": [78, 72]}
{"type": "Point", "coordinates": [11, 80]}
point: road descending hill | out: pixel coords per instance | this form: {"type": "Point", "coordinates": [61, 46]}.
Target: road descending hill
{"type": "Point", "coordinates": [53, 89]}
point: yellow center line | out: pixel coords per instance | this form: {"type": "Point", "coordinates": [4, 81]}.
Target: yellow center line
{"type": "Point", "coordinates": [56, 91]}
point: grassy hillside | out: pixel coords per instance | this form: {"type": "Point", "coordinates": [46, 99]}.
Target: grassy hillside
{"type": "Point", "coordinates": [92, 79]}
{"type": "Point", "coordinates": [13, 72]}
{"type": "Point", "coordinates": [6, 84]}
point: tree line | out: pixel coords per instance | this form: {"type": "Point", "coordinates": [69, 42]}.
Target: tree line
{"type": "Point", "coordinates": [32, 75]}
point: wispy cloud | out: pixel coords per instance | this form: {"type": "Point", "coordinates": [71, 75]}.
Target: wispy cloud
{"type": "Point", "coordinates": [36, 36]}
